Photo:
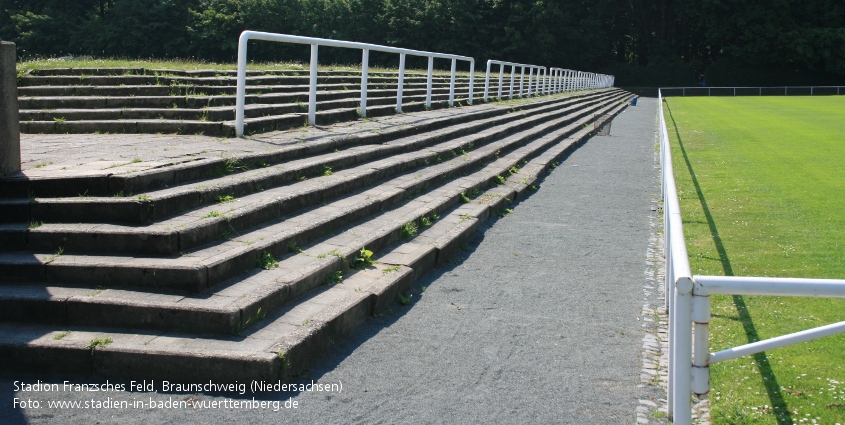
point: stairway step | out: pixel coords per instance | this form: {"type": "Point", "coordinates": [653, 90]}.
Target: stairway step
{"type": "Point", "coordinates": [185, 232]}
{"type": "Point", "coordinates": [284, 342]}
{"type": "Point", "coordinates": [121, 180]}
{"type": "Point", "coordinates": [228, 309]}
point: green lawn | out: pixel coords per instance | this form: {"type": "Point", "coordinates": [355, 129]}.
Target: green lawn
{"type": "Point", "coordinates": [762, 188]}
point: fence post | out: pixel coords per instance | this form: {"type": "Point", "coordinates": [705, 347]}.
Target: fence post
{"type": "Point", "coordinates": [531, 74]}
{"type": "Point", "coordinates": [513, 71]}
{"type": "Point", "coordinates": [487, 80]}
{"type": "Point", "coordinates": [701, 351]}
{"type": "Point", "coordinates": [401, 83]}
{"type": "Point", "coordinates": [682, 356]}
{"type": "Point", "coordinates": [241, 90]}
{"type": "Point", "coordinates": [428, 82]}
{"type": "Point", "coordinates": [521, 77]}
{"type": "Point", "coordinates": [365, 69]}
{"type": "Point", "coordinates": [452, 85]}
{"type": "Point", "coordinates": [312, 87]}
{"type": "Point", "coordinates": [501, 75]}
{"type": "Point", "coordinates": [10, 131]}
{"type": "Point", "coordinates": [471, 79]}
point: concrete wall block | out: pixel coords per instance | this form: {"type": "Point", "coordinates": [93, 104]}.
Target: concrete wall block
{"type": "Point", "coordinates": [10, 134]}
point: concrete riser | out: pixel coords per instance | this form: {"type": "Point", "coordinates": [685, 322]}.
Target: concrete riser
{"type": "Point", "coordinates": [292, 354]}
{"type": "Point", "coordinates": [195, 279]}
{"type": "Point", "coordinates": [228, 322]}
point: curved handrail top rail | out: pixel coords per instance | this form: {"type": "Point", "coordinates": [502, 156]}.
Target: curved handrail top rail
{"type": "Point", "coordinates": [491, 61]}
{"type": "Point", "coordinates": [267, 36]}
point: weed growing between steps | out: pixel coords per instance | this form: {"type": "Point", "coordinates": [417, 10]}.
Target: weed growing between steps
{"type": "Point", "coordinates": [363, 260]}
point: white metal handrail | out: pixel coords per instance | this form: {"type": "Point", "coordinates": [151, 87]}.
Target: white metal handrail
{"type": "Point", "coordinates": [513, 66]}
{"type": "Point", "coordinates": [555, 80]}
{"type": "Point", "coordinates": [839, 89]}
{"type": "Point", "coordinates": [688, 302]}
{"type": "Point", "coordinates": [366, 48]}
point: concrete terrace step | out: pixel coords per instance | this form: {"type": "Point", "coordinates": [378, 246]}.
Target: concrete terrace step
{"type": "Point", "coordinates": [166, 81]}
{"type": "Point", "coordinates": [195, 89]}
{"type": "Point", "coordinates": [204, 268]}
{"type": "Point", "coordinates": [186, 231]}
{"type": "Point", "coordinates": [294, 102]}
{"type": "Point", "coordinates": [345, 109]}
{"type": "Point", "coordinates": [119, 178]}
{"type": "Point", "coordinates": [136, 100]}
{"type": "Point", "coordinates": [277, 337]}
{"type": "Point", "coordinates": [198, 99]}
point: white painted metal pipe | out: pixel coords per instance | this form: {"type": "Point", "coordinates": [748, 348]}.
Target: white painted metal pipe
{"type": "Point", "coordinates": [312, 87]}
{"type": "Point", "coordinates": [487, 80]}
{"type": "Point", "coordinates": [777, 342]}
{"type": "Point", "coordinates": [365, 70]}
{"type": "Point", "coordinates": [246, 36]}
{"type": "Point", "coordinates": [240, 97]}
{"type": "Point", "coordinates": [530, 74]}
{"type": "Point", "coordinates": [501, 74]}
{"type": "Point", "coordinates": [521, 78]}
{"type": "Point", "coordinates": [701, 350]}
{"type": "Point", "coordinates": [428, 82]}
{"type": "Point", "coordinates": [452, 85]}
{"type": "Point", "coordinates": [683, 351]}
{"type": "Point", "coordinates": [471, 79]}
{"type": "Point", "coordinates": [796, 287]}
{"type": "Point", "coordinates": [401, 83]}
{"type": "Point", "coordinates": [513, 72]}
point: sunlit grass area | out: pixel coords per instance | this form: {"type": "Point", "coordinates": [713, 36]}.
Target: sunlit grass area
{"type": "Point", "coordinates": [762, 188]}
{"type": "Point", "coordinates": [193, 65]}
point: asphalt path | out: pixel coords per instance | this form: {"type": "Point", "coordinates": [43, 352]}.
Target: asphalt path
{"type": "Point", "coordinates": [536, 320]}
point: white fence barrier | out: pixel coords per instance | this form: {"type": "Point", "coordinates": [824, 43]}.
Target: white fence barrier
{"type": "Point", "coordinates": [365, 48]}
{"type": "Point", "coordinates": [513, 66]}
{"type": "Point", "coordinates": [542, 83]}
{"type": "Point", "coordinates": [688, 299]}
{"type": "Point", "coordinates": [558, 79]}
{"type": "Point", "coordinates": [754, 91]}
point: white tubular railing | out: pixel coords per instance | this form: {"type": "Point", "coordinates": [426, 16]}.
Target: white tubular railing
{"type": "Point", "coordinates": [688, 302]}
{"type": "Point", "coordinates": [366, 48]}
{"type": "Point", "coordinates": [756, 91]}
{"type": "Point", "coordinates": [513, 66]}
{"type": "Point", "coordinates": [555, 80]}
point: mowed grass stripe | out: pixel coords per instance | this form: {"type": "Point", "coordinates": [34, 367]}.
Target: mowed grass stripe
{"type": "Point", "coordinates": [762, 188]}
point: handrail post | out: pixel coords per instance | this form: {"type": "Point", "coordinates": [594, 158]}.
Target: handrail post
{"type": "Point", "coordinates": [471, 79]}
{"type": "Point", "coordinates": [452, 85]}
{"type": "Point", "coordinates": [513, 72]}
{"type": "Point", "coordinates": [365, 69]}
{"type": "Point", "coordinates": [312, 87]}
{"type": "Point", "coordinates": [701, 350]}
{"type": "Point", "coordinates": [428, 82]}
{"type": "Point", "coordinates": [530, 74]}
{"type": "Point", "coordinates": [487, 80]}
{"type": "Point", "coordinates": [401, 83]}
{"type": "Point", "coordinates": [501, 75]}
{"type": "Point", "coordinates": [521, 78]}
{"type": "Point", "coordinates": [682, 358]}
{"type": "Point", "coordinates": [240, 98]}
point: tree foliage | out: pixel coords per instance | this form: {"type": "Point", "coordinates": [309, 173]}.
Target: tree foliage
{"type": "Point", "coordinates": [680, 37]}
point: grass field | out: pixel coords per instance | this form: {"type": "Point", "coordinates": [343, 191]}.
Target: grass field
{"type": "Point", "coordinates": [762, 188]}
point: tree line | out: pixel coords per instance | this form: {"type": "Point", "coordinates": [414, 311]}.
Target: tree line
{"type": "Point", "coordinates": [642, 42]}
